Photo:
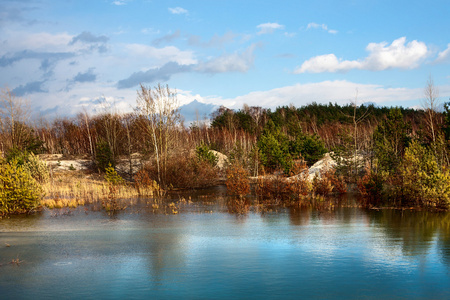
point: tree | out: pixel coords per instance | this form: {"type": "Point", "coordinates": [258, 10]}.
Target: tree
{"type": "Point", "coordinates": [159, 107]}
{"type": "Point", "coordinates": [14, 112]}
{"type": "Point", "coordinates": [424, 183]}
{"type": "Point", "coordinates": [431, 105]}
{"type": "Point", "coordinates": [274, 148]}
{"type": "Point", "coordinates": [391, 137]}
{"type": "Point", "coordinates": [19, 191]}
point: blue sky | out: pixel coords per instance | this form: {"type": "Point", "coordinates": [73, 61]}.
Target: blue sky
{"type": "Point", "coordinates": [65, 56]}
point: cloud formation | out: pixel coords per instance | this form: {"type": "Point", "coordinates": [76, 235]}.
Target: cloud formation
{"type": "Point", "coordinates": [167, 38]}
{"type": "Point", "coordinates": [46, 57]}
{"type": "Point", "coordinates": [321, 26]}
{"type": "Point", "coordinates": [31, 87]}
{"type": "Point", "coordinates": [98, 43]}
{"type": "Point", "coordinates": [382, 56]}
{"type": "Point", "coordinates": [87, 76]}
{"type": "Point", "coordinates": [235, 62]}
{"type": "Point", "coordinates": [268, 28]}
{"type": "Point", "coordinates": [178, 10]}
{"type": "Point", "coordinates": [120, 2]}
{"type": "Point", "coordinates": [216, 40]}
{"type": "Point", "coordinates": [161, 55]}
{"type": "Point", "coordinates": [337, 91]}
{"type": "Point", "coordinates": [444, 56]}
{"type": "Point", "coordinates": [163, 73]}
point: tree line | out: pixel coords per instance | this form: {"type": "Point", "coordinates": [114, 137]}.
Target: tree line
{"type": "Point", "coordinates": [385, 151]}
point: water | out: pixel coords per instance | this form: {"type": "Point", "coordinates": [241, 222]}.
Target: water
{"type": "Point", "coordinates": [293, 253]}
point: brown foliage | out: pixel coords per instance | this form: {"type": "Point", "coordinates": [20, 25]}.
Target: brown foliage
{"type": "Point", "coordinates": [185, 171]}
{"type": "Point", "coordinates": [328, 183]}
{"type": "Point", "coordinates": [237, 182]}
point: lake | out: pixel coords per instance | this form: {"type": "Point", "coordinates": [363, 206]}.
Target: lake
{"type": "Point", "coordinates": [205, 252]}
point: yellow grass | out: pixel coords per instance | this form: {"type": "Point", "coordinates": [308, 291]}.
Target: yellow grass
{"type": "Point", "coordinates": [71, 189]}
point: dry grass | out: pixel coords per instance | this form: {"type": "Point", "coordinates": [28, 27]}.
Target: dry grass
{"type": "Point", "coordinates": [72, 189]}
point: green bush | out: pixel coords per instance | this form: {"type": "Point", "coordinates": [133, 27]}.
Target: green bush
{"type": "Point", "coordinates": [112, 177]}
{"type": "Point", "coordinates": [274, 149]}
{"type": "Point", "coordinates": [205, 154]}
{"type": "Point", "coordinates": [310, 147]}
{"type": "Point", "coordinates": [104, 156]}
{"type": "Point", "coordinates": [37, 168]}
{"type": "Point", "coordinates": [19, 191]}
{"type": "Point", "coordinates": [423, 182]}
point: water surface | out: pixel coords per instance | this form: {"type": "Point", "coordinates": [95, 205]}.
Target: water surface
{"type": "Point", "coordinates": [204, 252]}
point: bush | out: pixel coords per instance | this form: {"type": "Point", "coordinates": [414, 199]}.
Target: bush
{"type": "Point", "coordinates": [103, 155]}
{"type": "Point", "coordinates": [371, 186]}
{"type": "Point", "coordinates": [204, 154]}
{"type": "Point", "coordinates": [144, 184]}
{"type": "Point", "coordinates": [37, 168]}
{"type": "Point", "coordinates": [422, 181]}
{"type": "Point", "coordinates": [273, 146]}
{"type": "Point", "coordinates": [310, 147]}
{"type": "Point", "coordinates": [19, 191]}
{"type": "Point", "coordinates": [237, 182]}
{"type": "Point", "coordinates": [328, 183]}
{"type": "Point", "coordinates": [184, 171]}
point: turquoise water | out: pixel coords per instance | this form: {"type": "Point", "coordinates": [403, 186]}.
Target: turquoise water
{"type": "Point", "coordinates": [293, 253]}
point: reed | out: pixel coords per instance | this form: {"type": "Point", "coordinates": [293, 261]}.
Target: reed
{"type": "Point", "coordinates": [72, 190]}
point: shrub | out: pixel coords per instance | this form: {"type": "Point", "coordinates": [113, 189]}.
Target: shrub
{"type": "Point", "coordinates": [328, 183]}
{"type": "Point", "coordinates": [37, 168]}
{"type": "Point", "coordinates": [371, 186]}
{"type": "Point", "coordinates": [103, 155]}
{"type": "Point", "coordinates": [19, 191]}
{"type": "Point", "coordinates": [184, 171]}
{"type": "Point", "coordinates": [310, 147]}
{"type": "Point", "coordinates": [144, 184]}
{"type": "Point", "coordinates": [237, 182]}
{"type": "Point", "coordinates": [272, 187]}
{"type": "Point", "coordinates": [204, 154]}
{"type": "Point", "coordinates": [423, 182]}
{"type": "Point", "coordinates": [112, 177]}
{"type": "Point", "coordinates": [273, 146]}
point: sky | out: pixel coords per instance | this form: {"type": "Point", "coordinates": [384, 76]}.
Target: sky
{"type": "Point", "coordinates": [68, 56]}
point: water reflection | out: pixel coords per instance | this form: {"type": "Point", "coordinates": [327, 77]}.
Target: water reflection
{"type": "Point", "coordinates": [198, 254]}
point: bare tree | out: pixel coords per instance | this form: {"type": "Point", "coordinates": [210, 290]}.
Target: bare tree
{"type": "Point", "coordinates": [431, 105]}
{"type": "Point", "coordinates": [159, 106]}
{"type": "Point", "coordinates": [14, 112]}
{"type": "Point", "coordinates": [86, 123]}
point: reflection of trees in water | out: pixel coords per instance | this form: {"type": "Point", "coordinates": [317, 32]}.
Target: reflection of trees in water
{"type": "Point", "coordinates": [343, 215]}
{"type": "Point", "coordinates": [160, 244]}
{"type": "Point", "coordinates": [415, 231]}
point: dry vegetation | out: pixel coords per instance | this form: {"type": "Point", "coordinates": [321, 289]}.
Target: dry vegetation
{"type": "Point", "coordinates": [151, 151]}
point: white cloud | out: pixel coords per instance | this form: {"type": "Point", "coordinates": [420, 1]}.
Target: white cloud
{"type": "Point", "coordinates": [290, 34]}
{"type": "Point", "coordinates": [218, 41]}
{"type": "Point", "coordinates": [178, 11]}
{"type": "Point", "coordinates": [120, 2]}
{"type": "Point", "coordinates": [150, 31]}
{"type": "Point", "coordinates": [42, 41]}
{"type": "Point", "coordinates": [162, 55]}
{"type": "Point", "coordinates": [338, 91]}
{"type": "Point", "coordinates": [444, 55]}
{"type": "Point", "coordinates": [235, 62]}
{"type": "Point", "coordinates": [268, 27]}
{"type": "Point", "coordinates": [321, 26]}
{"type": "Point", "coordinates": [381, 57]}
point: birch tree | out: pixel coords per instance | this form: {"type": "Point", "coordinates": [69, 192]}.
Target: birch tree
{"type": "Point", "coordinates": [159, 106]}
{"type": "Point", "coordinates": [431, 105]}
{"type": "Point", "coordinates": [14, 112]}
